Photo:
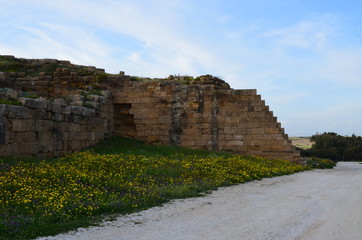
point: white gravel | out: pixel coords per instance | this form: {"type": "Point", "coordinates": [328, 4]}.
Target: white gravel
{"type": "Point", "coordinates": [312, 205]}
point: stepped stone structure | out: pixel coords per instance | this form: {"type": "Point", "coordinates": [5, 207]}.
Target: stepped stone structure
{"type": "Point", "coordinates": [77, 106]}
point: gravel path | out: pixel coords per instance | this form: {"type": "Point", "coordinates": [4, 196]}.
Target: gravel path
{"type": "Point", "coordinates": [312, 205]}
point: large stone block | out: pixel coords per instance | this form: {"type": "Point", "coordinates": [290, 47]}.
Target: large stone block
{"type": "Point", "coordinates": [43, 125]}
{"type": "Point", "coordinates": [29, 148]}
{"type": "Point", "coordinates": [58, 117]}
{"type": "Point", "coordinates": [61, 102]}
{"type": "Point", "coordinates": [6, 150]}
{"type": "Point", "coordinates": [33, 103]}
{"type": "Point", "coordinates": [74, 110]}
{"type": "Point", "coordinates": [45, 136]}
{"type": "Point", "coordinates": [73, 127]}
{"type": "Point", "coordinates": [4, 137]}
{"type": "Point", "coordinates": [12, 94]}
{"type": "Point", "coordinates": [22, 137]}
{"type": "Point", "coordinates": [88, 112]}
{"type": "Point", "coordinates": [22, 125]}
{"type": "Point", "coordinates": [55, 107]}
{"type": "Point", "coordinates": [12, 111]}
{"type": "Point", "coordinates": [41, 113]}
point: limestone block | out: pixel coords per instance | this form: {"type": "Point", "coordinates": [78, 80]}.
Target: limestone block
{"type": "Point", "coordinates": [95, 122]}
{"type": "Point", "coordinates": [29, 148]}
{"type": "Point", "coordinates": [92, 104]}
{"type": "Point", "coordinates": [235, 143]}
{"type": "Point", "coordinates": [58, 117]}
{"type": "Point", "coordinates": [43, 125]}
{"type": "Point", "coordinates": [88, 112]}
{"type": "Point", "coordinates": [81, 135]}
{"type": "Point", "coordinates": [67, 110]}
{"type": "Point", "coordinates": [22, 125]}
{"type": "Point", "coordinates": [76, 144]}
{"type": "Point", "coordinates": [4, 137]}
{"type": "Point", "coordinates": [75, 110]}
{"type": "Point", "coordinates": [40, 113]}
{"type": "Point", "coordinates": [164, 119]}
{"type": "Point", "coordinates": [153, 113]}
{"type": "Point", "coordinates": [79, 119]}
{"type": "Point", "coordinates": [150, 121]}
{"type": "Point", "coordinates": [73, 127]}
{"type": "Point", "coordinates": [77, 103]}
{"type": "Point", "coordinates": [12, 94]}
{"type": "Point", "coordinates": [32, 103]}
{"type": "Point", "coordinates": [95, 98]}
{"type": "Point", "coordinates": [134, 100]}
{"type": "Point", "coordinates": [12, 111]}
{"type": "Point", "coordinates": [272, 130]}
{"type": "Point", "coordinates": [75, 98]}
{"type": "Point", "coordinates": [57, 146]}
{"type": "Point", "coordinates": [22, 137]}
{"type": "Point", "coordinates": [153, 138]}
{"type": "Point", "coordinates": [61, 102]}
{"type": "Point", "coordinates": [5, 150]}
{"type": "Point", "coordinates": [55, 107]}
{"type": "Point", "coordinates": [44, 136]}
{"type": "Point", "coordinates": [257, 131]}
{"type": "Point", "coordinates": [15, 149]}
{"type": "Point", "coordinates": [107, 94]}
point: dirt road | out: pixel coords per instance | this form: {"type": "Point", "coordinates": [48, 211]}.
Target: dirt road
{"type": "Point", "coordinates": [313, 205]}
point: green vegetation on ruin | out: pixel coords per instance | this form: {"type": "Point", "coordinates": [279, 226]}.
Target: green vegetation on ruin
{"type": "Point", "coordinates": [46, 66]}
{"type": "Point", "coordinates": [10, 102]}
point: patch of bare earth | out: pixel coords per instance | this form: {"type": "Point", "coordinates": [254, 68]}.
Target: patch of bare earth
{"type": "Point", "coordinates": [301, 142]}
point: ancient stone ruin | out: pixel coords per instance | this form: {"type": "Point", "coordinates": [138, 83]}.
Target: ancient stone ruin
{"type": "Point", "coordinates": [51, 108]}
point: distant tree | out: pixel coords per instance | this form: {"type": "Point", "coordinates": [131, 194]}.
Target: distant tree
{"type": "Point", "coordinates": [335, 147]}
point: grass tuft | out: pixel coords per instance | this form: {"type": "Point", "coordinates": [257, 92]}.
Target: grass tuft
{"type": "Point", "coordinates": [314, 162]}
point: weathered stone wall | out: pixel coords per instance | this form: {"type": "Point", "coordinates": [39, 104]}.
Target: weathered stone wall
{"type": "Point", "coordinates": [199, 113]}
{"type": "Point", "coordinates": [203, 114]}
{"type": "Point", "coordinates": [48, 78]}
{"type": "Point", "coordinates": [45, 129]}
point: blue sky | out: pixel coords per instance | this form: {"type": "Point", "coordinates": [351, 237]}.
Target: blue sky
{"type": "Point", "coordinates": [304, 57]}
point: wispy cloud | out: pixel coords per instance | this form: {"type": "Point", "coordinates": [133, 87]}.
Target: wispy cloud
{"type": "Point", "coordinates": [308, 34]}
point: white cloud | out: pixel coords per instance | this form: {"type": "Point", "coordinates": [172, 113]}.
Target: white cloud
{"type": "Point", "coordinates": [310, 34]}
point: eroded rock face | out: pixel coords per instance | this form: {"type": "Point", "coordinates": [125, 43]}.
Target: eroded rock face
{"type": "Point", "coordinates": [73, 106]}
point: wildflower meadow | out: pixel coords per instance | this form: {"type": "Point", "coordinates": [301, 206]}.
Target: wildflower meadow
{"type": "Point", "coordinates": [45, 197]}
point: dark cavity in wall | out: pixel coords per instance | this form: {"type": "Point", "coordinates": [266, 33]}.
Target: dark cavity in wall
{"type": "Point", "coordinates": [124, 121]}
{"type": "Point", "coordinates": [200, 109]}
{"type": "Point", "coordinates": [214, 124]}
{"type": "Point", "coordinates": [178, 115]}
{"type": "Point", "coordinates": [2, 131]}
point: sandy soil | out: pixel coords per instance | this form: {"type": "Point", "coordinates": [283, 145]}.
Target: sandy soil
{"type": "Point", "coordinates": [301, 142]}
{"type": "Point", "coordinates": [313, 205]}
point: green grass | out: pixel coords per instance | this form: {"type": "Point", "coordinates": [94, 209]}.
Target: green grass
{"type": "Point", "coordinates": [10, 102]}
{"type": "Point", "coordinates": [41, 198]}
{"type": "Point", "coordinates": [8, 64]}
{"type": "Point", "coordinates": [314, 162]}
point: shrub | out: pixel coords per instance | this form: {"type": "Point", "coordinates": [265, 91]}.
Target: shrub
{"type": "Point", "coordinates": [320, 163]}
